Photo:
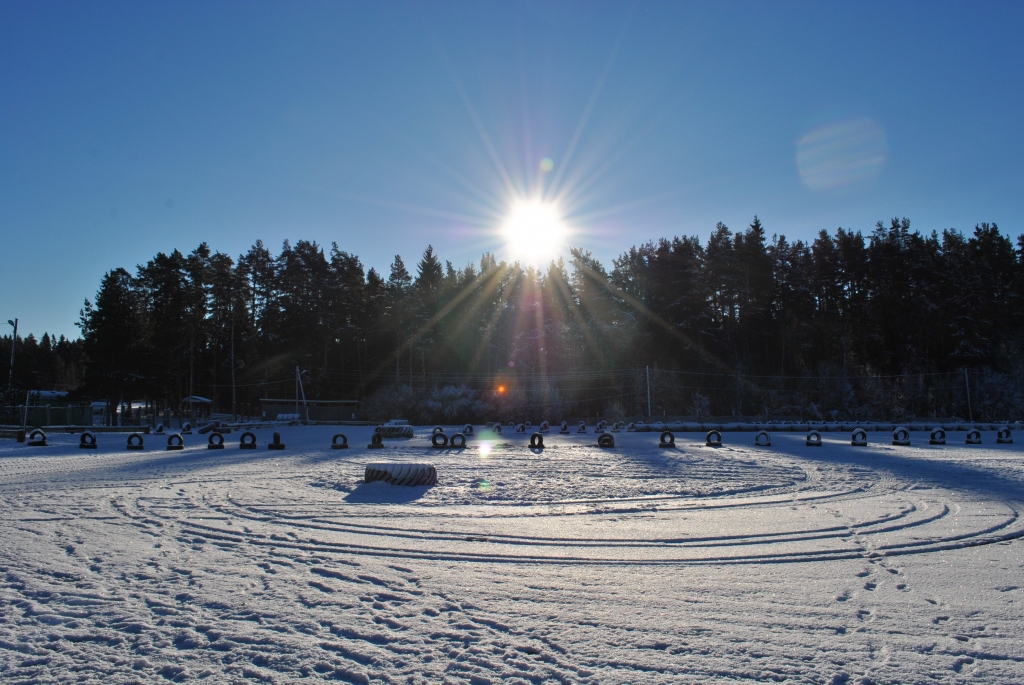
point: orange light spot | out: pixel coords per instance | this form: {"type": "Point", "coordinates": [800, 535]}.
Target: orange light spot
{"type": "Point", "coordinates": [501, 389]}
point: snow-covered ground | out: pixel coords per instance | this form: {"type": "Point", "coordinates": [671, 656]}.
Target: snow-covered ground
{"type": "Point", "coordinates": [789, 563]}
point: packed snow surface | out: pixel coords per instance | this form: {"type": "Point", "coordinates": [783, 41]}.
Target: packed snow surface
{"type": "Point", "coordinates": [637, 564]}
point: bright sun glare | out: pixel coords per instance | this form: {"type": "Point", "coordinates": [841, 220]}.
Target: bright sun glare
{"type": "Point", "coordinates": [535, 232]}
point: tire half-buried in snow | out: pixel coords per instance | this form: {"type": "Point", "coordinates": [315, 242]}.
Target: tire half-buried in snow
{"type": "Point", "coordinates": [401, 474]}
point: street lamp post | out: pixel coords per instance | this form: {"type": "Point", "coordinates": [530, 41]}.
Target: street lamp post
{"type": "Point", "coordinates": [14, 339]}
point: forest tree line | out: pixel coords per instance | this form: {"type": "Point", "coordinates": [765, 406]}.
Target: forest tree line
{"type": "Point", "coordinates": [846, 325]}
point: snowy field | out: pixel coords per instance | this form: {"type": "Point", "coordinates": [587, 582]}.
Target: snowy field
{"type": "Point", "coordinates": [788, 563]}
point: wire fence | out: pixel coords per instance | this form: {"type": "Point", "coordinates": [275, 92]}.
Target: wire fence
{"type": "Point", "coordinates": [981, 395]}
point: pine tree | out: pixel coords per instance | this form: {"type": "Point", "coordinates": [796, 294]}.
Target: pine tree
{"type": "Point", "coordinates": [114, 331]}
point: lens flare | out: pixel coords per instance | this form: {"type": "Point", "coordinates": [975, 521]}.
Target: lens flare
{"type": "Point", "coordinates": [546, 164]}
{"type": "Point", "coordinates": [841, 154]}
{"type": "Point", "coordinates": [485, 449]}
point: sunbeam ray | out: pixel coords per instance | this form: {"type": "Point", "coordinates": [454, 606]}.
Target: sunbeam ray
{"type": "Point", "coordinates": [589, 108]}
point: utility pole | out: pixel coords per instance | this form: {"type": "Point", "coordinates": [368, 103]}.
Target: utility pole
{"type": "Point", "coordinates": [305, 406]}
{"type": "Point", "coordinates": [234, 412]}
{"type": "Point", "coordinates": [648, 370]}
{"type": "Point", "coordinates": [14, 340]}
{"type": "Point", "coordinates": [967, 380]}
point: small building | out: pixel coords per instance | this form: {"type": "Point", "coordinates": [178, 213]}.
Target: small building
{"type": "Point", "coordinates": [197, 408]}
{"type": "Point", "coordinates": [314, 410]}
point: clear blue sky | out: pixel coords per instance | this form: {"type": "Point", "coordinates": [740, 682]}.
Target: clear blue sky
{"type": "Point", "coordinates": [132, 128]}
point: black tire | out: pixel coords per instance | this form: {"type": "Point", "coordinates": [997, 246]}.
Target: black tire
{"type": "Point", "coordinates": [606, 440]}
{"type": "Point", "coordinates": [439, 439]}
{"type": "Point", "coordinates": [425, 475]}
{"type": "Point", "coordinates": [87, 441]}
{"type": "Point", "coordinates": [713, 439]}
{"type": "Point", "coordinates": [215, 441]}
{"type": "Point", "coordinates": [247, 441]}
{"type": "Point", "coordinates": [537, 441]}
{"type": "Point", "coordinates": [458, 441]}
{"type": "Point", "coordinates": [667, 439]}
{"type": "Point", "coordinates": [175, 442]}
{"type": "Point", "coordinates": [136, 442]}
{"type": "Point", "coordinates": [901, 436]}
{"type": "Point", "coordinates": [339, 442]}
{"type": "Point", "coordinates": [497, 429]}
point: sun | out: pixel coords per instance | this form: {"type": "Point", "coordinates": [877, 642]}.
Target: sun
{"type": "Point", "coordinates": [534, 231]}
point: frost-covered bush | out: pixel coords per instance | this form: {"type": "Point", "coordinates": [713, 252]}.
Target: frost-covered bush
{"type": "Point", "coordinates": [452, 404]}
{"type": "Point", "coordinates": [700, 406]}
{"type": "Point", "coordinates": [615, 412]}
{"type": "Point", "coordinates": [389, 402]}
{"type": "Point", "coordinates": [811, 411]}
{"type": "Point", "coordinates": [997, 397]}
{"type": "Point", "coordinates": [449, 404]}
{"type": "Point", "coordinates": [538, 402]}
